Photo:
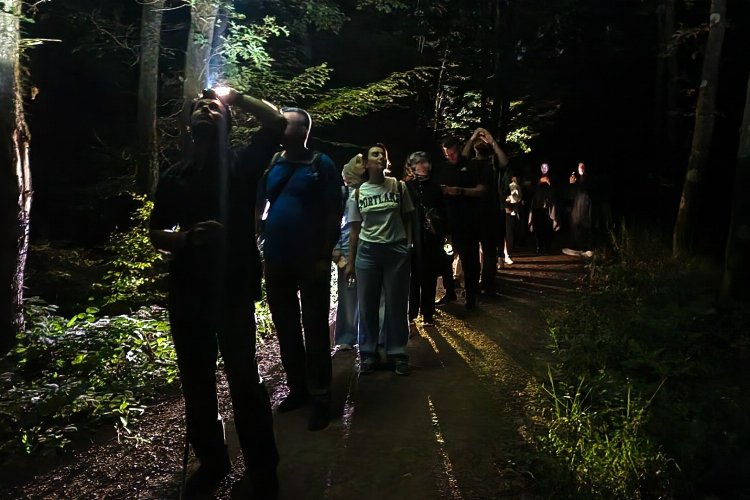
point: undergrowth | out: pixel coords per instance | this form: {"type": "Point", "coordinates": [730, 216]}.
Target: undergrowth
{"type": "Point", "coordinates": [67, 374]}
{"type": "Point", "coordinates": [648, 391]}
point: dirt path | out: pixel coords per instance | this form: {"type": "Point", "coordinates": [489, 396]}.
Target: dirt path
{"type": "Point", "coordinates": [452, 430]}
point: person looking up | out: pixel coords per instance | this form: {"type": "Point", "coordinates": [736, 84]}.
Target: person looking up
{"type": "Point", "coordinates": [379, 247]}
{"type": "Point", "coordinates": [214, 277]}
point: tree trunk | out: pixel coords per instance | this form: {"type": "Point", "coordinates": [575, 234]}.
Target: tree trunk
{"type": "Point", "coordinates": [702, 133]}
{"type": "Point", "coordinates": [736, 283]}
{"type": "Point", "coordinates": [197, 58]}
{"type": "Point", "coordinates": [502, 68]}
{"type": "Point", "coordinates": [665, 84]}
{"type": "Point", "coordinates": [15, 178]}
{"type": "Point", "coordinates": [147, 170]}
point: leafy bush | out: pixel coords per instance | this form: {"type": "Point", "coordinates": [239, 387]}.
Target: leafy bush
{"type": "Point", "coordinates": [649, 380]}
{"type": "Point", "coordinates": [65, 374]}
{"type": "Point", "coordinates": [133, 272]}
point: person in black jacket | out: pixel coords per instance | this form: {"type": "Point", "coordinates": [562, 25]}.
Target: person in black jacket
{"type": "Point", "coordinates": [203, 216]}
{"type": "Point", "coordinates": [428, 257]}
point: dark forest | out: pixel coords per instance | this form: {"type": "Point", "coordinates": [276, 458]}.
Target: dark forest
{"type": "Point", "coordinates": [633, 382]}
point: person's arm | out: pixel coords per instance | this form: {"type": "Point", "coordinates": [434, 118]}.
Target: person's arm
{"type": "Point", "coordinates": [476, 192]}
{"type": "Point", "coordinates": [267, 114]}
{"type": "Point", "coordinates": [167, 240]}
{"type": "Point", "coordinates": [501, 156]}
{"type": "Point", "coordinates": [201, 234]}
{"type": "Point", "coordinates": [356, 227]}
{"type": "Point", "coordinates": [469, 145]}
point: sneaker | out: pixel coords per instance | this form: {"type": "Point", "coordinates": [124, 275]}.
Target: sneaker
{"type": "Point", "coordinates": [448, 297]}
{"type": "Point", "coordinates": [343, 347]}
{"type": "Point", "coordinates": [587, 253]}
{"type": "Point", "coordinates": [292, 401]}
{"type": "Point", "coordinates": [402, 366]}
{"type": "Point", "coordinates": [321, 414]}
{"type": "Point", "coordinates": [428, 322]}
{"type": "Point", "coordinates": [367, 365]}
{"type": "Point", "coordinates": [508, 260]}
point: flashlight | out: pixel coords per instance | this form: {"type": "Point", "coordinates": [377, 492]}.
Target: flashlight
{"type": "Point", "coordinates": [221, 91]}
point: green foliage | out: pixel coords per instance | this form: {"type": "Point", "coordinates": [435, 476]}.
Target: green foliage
{"type": "Point", "coordinates": [603, 444]}
{"type": "Point", "coordinates": [133, 272]}
{"type": "Point", "coordinates": [246, 45]}
{"type": "Point", "coordinates": [69, 374]}
{"type": "Point", "coordinates": [385, 6]}
{"type": "Point", "coordinates": [323, 16]}
{"type": "Point", "coordinates": [666, 379]}
{"type": "Point", "coordinates": [389, 92]}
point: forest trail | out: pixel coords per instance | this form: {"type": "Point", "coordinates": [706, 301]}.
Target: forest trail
{"type": "Point", "coordinates": [453, 429]}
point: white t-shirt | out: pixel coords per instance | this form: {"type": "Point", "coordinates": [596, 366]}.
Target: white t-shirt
{"type": "Point", "coordinates": [380, 208]}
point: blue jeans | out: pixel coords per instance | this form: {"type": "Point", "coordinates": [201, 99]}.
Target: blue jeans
{"type": "Point", "coordinates": [383, 269]}
{"type": "Point", "coordinates": [347, 312]}
{"type": "Point", "coordinates": [348, 319]}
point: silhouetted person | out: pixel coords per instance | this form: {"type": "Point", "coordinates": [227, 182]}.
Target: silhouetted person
{"type": "Point", "coordinates": [493, 162]}
{"type": "Point", "coordinates": [428, 256]}
{"type": "Point", "coordinates": [214, 278]}
{"type": "Point", "coordinates": [580, 213]}
{"type": "Point", "coordinates": [463, 184]}
{"type": "Point", "coordinates": [301, 226]}
{"type": "Point", "coordinates": [543, 215]}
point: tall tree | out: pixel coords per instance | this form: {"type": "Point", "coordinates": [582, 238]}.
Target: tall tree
{"type": "Point", "coordinates": [198, 53]}
{"type": "Point", "coordinates": [705, 116]}
{"type": "Point", "coordinates": [147, 172]}
{"type": "Point", "coordinates": [736, 264]}
{"type": "Point", "coordinates": [15, 177]}
{"type": "Point", "coordinates": [665, 89]}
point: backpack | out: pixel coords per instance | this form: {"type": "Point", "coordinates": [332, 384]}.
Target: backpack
{"type": "Point", "coordinates": [264, 202]}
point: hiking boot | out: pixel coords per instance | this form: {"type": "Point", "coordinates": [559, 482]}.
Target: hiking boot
{"type": "Point", "coordinates": [209, 475]}
{"type": "Point", "coordinates": [292, 401]}
{"type": "Point", "coordinates": [401, 365]}
{"type": "Point", "coordinates": [367, 365]}
{"type": "Point", "coordinates": [321, 413]}
{"type": "Point", "coordinates": [448, 297]}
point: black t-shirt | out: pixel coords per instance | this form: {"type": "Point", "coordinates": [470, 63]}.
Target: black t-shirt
{"type": "Point", "coordinates": [464, 212]}
{"type": "Point", "coordinates": [186, 196]}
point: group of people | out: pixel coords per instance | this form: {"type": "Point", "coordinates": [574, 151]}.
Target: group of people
{"type": "Point", "coordinates": [229, 217]}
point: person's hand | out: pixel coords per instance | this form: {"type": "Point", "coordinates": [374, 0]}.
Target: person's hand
{"type": "Point", "coordinates": [452, 190]}
{"type": "Point", "coordinates": [205, 233]}
{"type": "Point", "coordinates": [486, 136]}
{"type": "Point", "coordinates": [349, 273]}
{"type": "Point", "coordinates": [227, 95]}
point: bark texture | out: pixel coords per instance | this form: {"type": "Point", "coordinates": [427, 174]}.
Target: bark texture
{"type": "Point", "coordinates": [15, 179]}
{"type": "Point", "coordinates": [736, 282]}
{"type": "Point", "coordinates": [197, 58]}
{"type": "Point", "coordinates": [147, 172]}
{"type": "Point", "coordinates": [705, 116]}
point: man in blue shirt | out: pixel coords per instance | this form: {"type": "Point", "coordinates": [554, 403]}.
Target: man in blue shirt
{"type": "Point", "coordinates": [301, 223]}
